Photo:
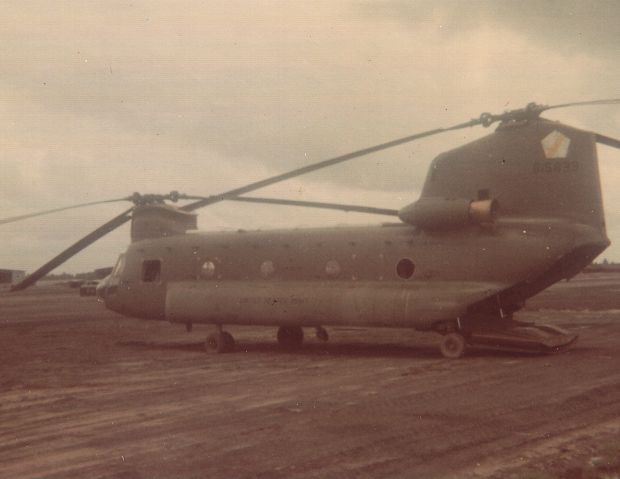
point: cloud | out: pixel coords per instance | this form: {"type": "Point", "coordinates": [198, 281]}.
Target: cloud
{"type": "Point", "coordinates": [564, 26]}
{"type": "Point", "coordinates": [103, 98]}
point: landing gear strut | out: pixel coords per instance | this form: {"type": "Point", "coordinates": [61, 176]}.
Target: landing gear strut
{"type": "Point", "coordinates": [220, 342]}
{"type": "Point", "coordinates": [290, 337]}
{"type": "Point", "coordinates": [321, 334]}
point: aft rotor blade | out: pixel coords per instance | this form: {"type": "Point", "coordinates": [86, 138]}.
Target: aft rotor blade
{"type": "Point", "coordinates": [612, 101]}
{"type": "Point", "coordinates": [606, 140]}
{"type": "Point", "coordinates": [55, 210]}
{"type": "Point", "coordinates": [486, 119]}
{"type": "Point", "coordinates": [321, 164]}
{"type": "Point", "coordinates": [317, 204]}
{"type": "Point", "coordinates": [74, 249]}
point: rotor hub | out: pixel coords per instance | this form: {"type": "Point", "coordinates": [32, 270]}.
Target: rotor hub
{"type": "Point", "coordinates": [139, 199]}
{"type": "Point", "coordinates": [530, 112]}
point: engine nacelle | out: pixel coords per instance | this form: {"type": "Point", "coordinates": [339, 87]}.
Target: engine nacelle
{"type": "Point", "coordinates": [446, 214]}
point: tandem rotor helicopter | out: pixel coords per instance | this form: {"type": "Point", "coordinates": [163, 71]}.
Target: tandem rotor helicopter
{"type": "Point", "coordinates": [498, 220]}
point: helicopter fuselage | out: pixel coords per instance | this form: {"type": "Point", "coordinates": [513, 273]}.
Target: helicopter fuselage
{"type": "Point", "coordinates": [438, 266]}
{"type": "Point", "coordinates": [393, 275]}
{"type": "Point", "coordinates": [498, 220]}
{"type": "Point", "coordinates": [452, 265]}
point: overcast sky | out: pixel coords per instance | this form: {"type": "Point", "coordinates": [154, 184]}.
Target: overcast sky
{"type": "Point", "coordinates": [103, 98]}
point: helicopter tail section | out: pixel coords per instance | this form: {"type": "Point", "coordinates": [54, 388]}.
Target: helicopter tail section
{"type": "Point", "coordinates": [544, 176]}
{"type": "Point", "coordinates": [535, 169]}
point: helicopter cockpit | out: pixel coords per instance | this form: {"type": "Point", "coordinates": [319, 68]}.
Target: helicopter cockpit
{"type": "Point", "coordinates": [109, 285]}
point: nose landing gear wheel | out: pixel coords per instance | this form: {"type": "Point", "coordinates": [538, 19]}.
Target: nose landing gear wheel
{"type": "Point", "coordinates": [452, 346]}
{"type": "Point", "coordinates": [290, 337]}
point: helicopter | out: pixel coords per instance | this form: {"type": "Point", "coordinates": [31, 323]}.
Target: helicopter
{"type": "Point", "coordinates": [498, 220]}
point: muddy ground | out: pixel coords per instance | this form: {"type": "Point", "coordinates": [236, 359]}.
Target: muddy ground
{"type": "Point", "coordinates": [87, 393]}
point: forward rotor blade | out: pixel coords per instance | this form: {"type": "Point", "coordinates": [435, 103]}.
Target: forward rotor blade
{"type": "Point", "coordinates": [606, 140]}
{"type": "Point", "coordinates": [55, 210]}
{"type": "Point", "coordinates": [74, 249]}
{"type": "Point", "coordinates": [321, 164]}
{"type": "Point", "coordinates": [317, 204]}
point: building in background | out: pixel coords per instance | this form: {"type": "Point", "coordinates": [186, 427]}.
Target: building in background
{"type": "Point", "coordinates": [103, 272]}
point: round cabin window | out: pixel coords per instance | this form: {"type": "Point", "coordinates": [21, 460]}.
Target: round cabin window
{"type": "Point", "coordinates": [332, 268]}
{"type": "Point", "coordinates": [207, 270]}
{"type": "Point", "coordinates": [267, 268]}
{"type": "Point", "coordinates": [405, 268]}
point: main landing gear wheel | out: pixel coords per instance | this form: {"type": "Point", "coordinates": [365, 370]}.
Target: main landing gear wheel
{"type": "Point", "coordinates": [290, 337]}
{"type": "Point", "coordinates": [220, 342]}
{"type": "Point", "coordinates": [452, 346]}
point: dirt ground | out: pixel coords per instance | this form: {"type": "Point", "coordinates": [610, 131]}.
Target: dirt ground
{"type": "Point", "coordinates": [87, 393]}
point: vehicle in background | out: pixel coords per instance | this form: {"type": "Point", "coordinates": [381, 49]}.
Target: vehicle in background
{"type": "Point", "coordinates": [89, 288]}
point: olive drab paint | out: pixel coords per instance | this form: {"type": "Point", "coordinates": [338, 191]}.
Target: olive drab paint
{"type": "Point", "coordinates": [498, 220]}
{"type": "Point", "coordinates": [549, 210]}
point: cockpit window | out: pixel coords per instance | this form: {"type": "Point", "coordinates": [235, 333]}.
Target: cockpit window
{"type": "Point", "coordinates": [151, 270]}
{"type": "Point", "coordinates": [119, 266]}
